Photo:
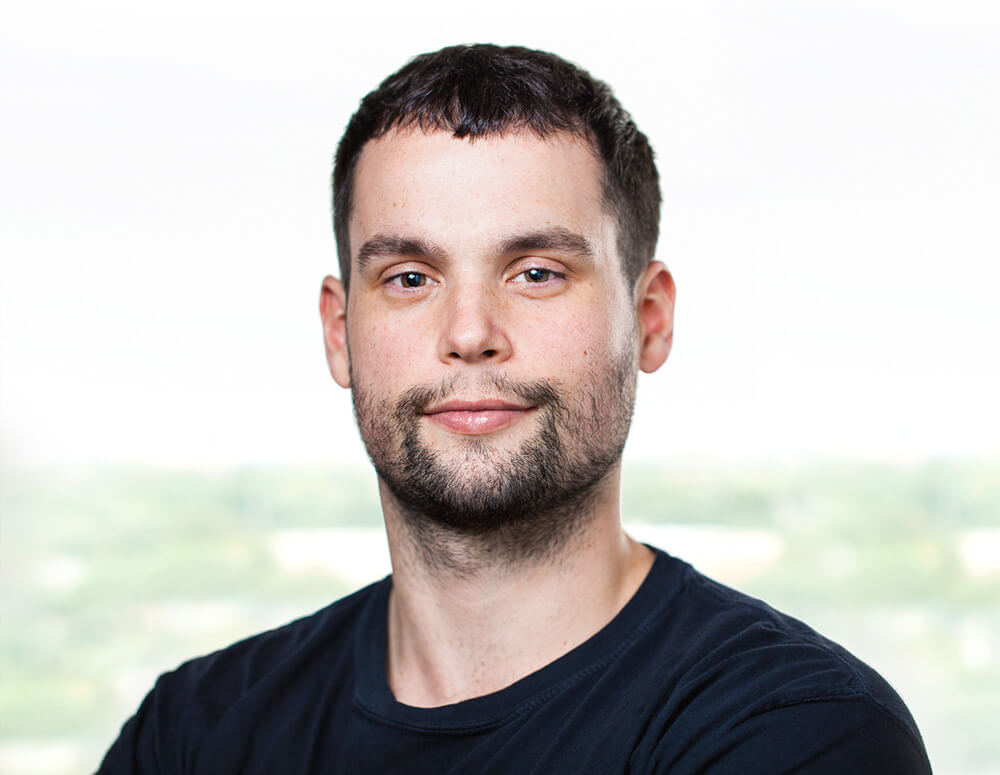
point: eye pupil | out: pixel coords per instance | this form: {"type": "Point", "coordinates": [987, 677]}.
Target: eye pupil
{"type": "Point", "coordinates": [413, 279]}
{"type": "Point", "coordinates": [537, 275]}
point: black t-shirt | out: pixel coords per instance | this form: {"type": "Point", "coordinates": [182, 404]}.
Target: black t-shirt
{"type": "Point", "coordinates": [690, 677]}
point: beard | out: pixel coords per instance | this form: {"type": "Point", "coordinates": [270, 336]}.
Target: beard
{"type": "Point", "coordinates": [503, 505]}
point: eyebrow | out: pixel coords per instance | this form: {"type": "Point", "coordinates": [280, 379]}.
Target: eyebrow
{"type": "Point", "coordinates": [387, 245]}
{"type": "Point", "coordinates": [556, 238]}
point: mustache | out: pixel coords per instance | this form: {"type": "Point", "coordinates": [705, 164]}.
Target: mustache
{"type": "Point", "coordinates": [539, 392]}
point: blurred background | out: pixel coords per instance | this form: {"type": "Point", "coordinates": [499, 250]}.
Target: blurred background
{"type": "Point", "coordinates": [177, 469]}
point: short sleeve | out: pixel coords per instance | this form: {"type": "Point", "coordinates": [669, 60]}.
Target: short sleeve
{"type": "Point", "coordinates": [147, 744]}
{"type": "Point", "coordinates": [821, 737]}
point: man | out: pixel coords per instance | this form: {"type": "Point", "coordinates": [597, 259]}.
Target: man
{"type": "Point", "coordinates": [496, 214]}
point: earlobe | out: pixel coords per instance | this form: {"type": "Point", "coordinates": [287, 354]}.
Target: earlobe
{"type": "Point", "coordinates": [333, 312]}
{"type": "Point", "coordinates": [655, 310]}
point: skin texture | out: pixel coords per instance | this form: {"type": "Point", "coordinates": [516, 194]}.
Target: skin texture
{"type": "Point", "coordinates": [507, 546]}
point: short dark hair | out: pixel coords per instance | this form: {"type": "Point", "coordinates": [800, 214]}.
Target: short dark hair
{"type": "Point", "coordinates": [486, 90]}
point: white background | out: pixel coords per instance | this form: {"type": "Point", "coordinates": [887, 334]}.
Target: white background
{"type": "Point", "coordinates": [831, 183]}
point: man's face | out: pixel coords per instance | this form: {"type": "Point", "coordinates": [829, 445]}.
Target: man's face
{"type": "Point", "coordinates": [490, 332]}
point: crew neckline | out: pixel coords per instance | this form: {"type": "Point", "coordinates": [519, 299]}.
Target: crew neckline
{"type": "Point", "coordinates": [374, 696]}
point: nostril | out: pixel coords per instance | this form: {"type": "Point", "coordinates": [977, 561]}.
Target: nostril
{"type": "Point", "coordinates": [489, 353]}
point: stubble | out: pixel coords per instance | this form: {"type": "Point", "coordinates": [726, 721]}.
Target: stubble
{"type": "Point", "coordinates": [481, 505]}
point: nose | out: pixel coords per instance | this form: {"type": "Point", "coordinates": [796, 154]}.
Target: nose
{"type": "Point", "coordinates": [473, 331]}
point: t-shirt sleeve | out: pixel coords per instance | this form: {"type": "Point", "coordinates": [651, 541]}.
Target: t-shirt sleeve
{"type": "Point", "coordinates": [144, 745]}
{"type": "Point", "coordinates": [822, 737]}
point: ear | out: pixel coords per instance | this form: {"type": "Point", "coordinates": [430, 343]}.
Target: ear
{"type": "Point", "coordinates": [655, 310]}
{"type": "Point", "coordinates": [333, 311]}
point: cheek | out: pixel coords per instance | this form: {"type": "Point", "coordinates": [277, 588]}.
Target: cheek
{"type": "Point", "coordinates": [385, 355]}
{"type": "Point", "coordinates": [571, 345]}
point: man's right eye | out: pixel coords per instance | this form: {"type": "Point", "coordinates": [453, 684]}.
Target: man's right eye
{"type": "Point", "coordinates": [409, 279]}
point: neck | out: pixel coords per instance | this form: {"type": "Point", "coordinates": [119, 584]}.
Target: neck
{"type": "Point", "coordinates": [468, 616]}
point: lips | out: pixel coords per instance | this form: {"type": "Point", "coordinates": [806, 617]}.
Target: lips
{"type": "Point", "coordinates": [471, 418]}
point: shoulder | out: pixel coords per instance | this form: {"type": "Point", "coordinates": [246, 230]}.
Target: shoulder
{"type": "Point", "coordinates": [779, 658]}
{"type": "Point", "coordinates": [752, 689]}
{"type": "Point", "coordinates": [217, 689]}
{"type": "Point", "coordinates": [238, 668]}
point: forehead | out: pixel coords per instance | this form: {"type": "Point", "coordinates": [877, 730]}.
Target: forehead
{"type": "Point", "coordinates": [467, 190]}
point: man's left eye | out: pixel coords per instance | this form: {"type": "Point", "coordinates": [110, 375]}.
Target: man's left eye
{"type": "Point", "coordinates": [537, 274]}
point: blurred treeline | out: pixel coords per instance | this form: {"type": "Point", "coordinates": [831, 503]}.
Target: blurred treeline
{"type": "Point", "coordinates": [111, 576]}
